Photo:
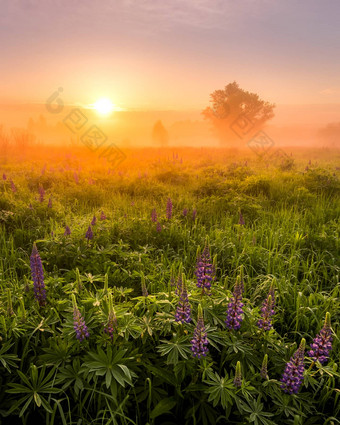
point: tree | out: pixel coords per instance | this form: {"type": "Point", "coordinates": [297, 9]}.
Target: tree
{"type": "Point", "coordinates": [159, 134]}
{"type": "Point", "coordinates": [237, 115]}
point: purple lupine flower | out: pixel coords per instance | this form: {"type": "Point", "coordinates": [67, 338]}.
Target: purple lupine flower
{"type": "Point", "coordinates": [241, 220]}
{"type": "Point", "coordinates": [238, 375]}
{"type": "Point", "coordinates": [322, 343]}
{"type": "Point", "coordinates": [67, 231]}
{"type": "Point", "coordinates": [111, 325]}
{"type": "Point", "coordinates": [159, 227]}
{"type": "Point", "coordinates": [200, 341]}
{"type": "Point", "coordinates": [205, 271]}
{"type": "Point", "coordinates": [49, 203]}
{"type": "Point", "coordinates": [235, 311]}
{"type": "Point", "coordinates": [154, 215]}
{"type": "Point", "coordinates": [267, 311]}
{"type": "Point", "coordinates": [89, 233]}
{"type": "Point", "coordinates": [38, 276]}
{"type": "Point", "coordinates": [41, 194]}
{"type": "Point", "coordinates": [13, 187]}
{"type": "Point", "coordinates": [293, 374]}
{"type": "Point", "coordinates": [94, 221]}
{"type": "Point", "coordinates": [185, 212]}
{"type": "Point", "coordinates": [194, 214]}
{"type": "Point", "coordinates": [4, 177]}
{"type": "Point", "coordinates": [178, 287]}
{"type": "Point", "coordinates": [183, 311]}
{"type": "Point", "coordinates": [169, 209]}
{"type": "Point", "coordinates": [102, 216]}
{"type": "Point", "coordinates": [79, 325]}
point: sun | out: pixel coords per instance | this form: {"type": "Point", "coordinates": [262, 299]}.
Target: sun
{"type": "Point", "coordinates": [103, 106]}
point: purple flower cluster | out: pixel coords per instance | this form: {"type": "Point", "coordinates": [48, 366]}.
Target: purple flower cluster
{"type": "Point", "coordinates": [111, 325]}
{"type": "Point", "coordinates": [241, 220]}
{"type": "Point", "coordinates": [183, 311]}
{"type": "Point", "coordinates": [89, 233]}
{"type": "Point", "coordinates": [79, 325]}
{"type": "Point", "coordinates": [293, 374]}
{"type": "Point", "coordinates": [205, 271]}
{"type": "Point", "coordinates": [41, 194]}
{"type": "Point", "coordinates": [38, 276]}
{"type": "Point", "coordinates": [94, 221]}
{"type": "Point", "coordinates": [200, 341]}
{"type": "Point", "coordinates": [185, 212]}
{"type": "Point", "coordinates": [235, 311]}
{"type": "Point", "coordinates": [102, 216]}
{"type": "Point", "coordinates": [322, 343]}
{"type": "Point", "coordinates": [267, 311]}
{"type": "Point", "coordinates": [67, 231]}
{"type": "Point", "coordinates": [159, 227]}
{"type": "Point", "coordinates": [13, 187]}
{"type": "Point", "coordinates": [154, 215]}
{"type": "Point", "coordinates": [169, 209]}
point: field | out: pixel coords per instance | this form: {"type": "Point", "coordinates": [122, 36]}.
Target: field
{"type": "Point", "coordinates": [121, 326]}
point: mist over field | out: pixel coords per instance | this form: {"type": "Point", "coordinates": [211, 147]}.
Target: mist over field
{"type": "Point", "coordinates": [169, 212]}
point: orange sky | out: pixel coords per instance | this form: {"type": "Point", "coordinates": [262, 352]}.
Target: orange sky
{"type": "Point", "coordinates": [169, 55]}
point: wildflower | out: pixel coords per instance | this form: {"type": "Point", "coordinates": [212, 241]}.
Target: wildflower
{"type": "Point", "coordinates": [264, 367]}
{"type": "Point", "coordinates": [67, 231]}
{"type": "Point", "coordinates": [322, 343]}
{"type": "Point", "coordinates": [185, 212]}
{"type": "Point", "coordinates": [205, 271]}
{"type": "Point", "coordinates": [102, 216]}
{"type": "Point", "coordinates": [183, 311]}
{"type": "Point", "coordinates": [49, 203]}
{"type": "Point", "coordinates": [200, 341]}
{"type": "Point", "coordinates": [38, 276]}
{"type": "Point", "coordinates": [79, 324]}
{"type": "Point", "coordinates": [111, 324]}
{"type": "Point", "coordinates": [41, 194]}
{"type": "Point", "coordinates": [194, 214]}
{"type": "Point", "coordinates": [267, 311]}
{"type": "Point", "coordinates": [169, 209]}
{"type": "Point", "coordinates": [241, 220]}
{"type": "Point", "coordinates": [235, 311]}
{"type": "Point", "coordinates": [4, 177]}
{"type": "Point", "coordinates": [159, 227]}
{"type": "Point", "coordinates": [13, 187]}
{"type": "Point", "coordinates": [154, 216]}
{"type": "Point", "coordinates": [89, 233]}
{"type": "Point", "coordinates": [238, 375]}
{"type": "Point", "coordinates": [144, 289]}
{"type": "Point", "coordinates": [293, 374]}
{"type": "Point", "coordinates": [179, 284]}
{"type": "Point", "coordinates": [94, 221]}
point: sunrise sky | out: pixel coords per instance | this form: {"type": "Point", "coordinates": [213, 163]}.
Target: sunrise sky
{"type": "Point", "coordinates": [169, 54]}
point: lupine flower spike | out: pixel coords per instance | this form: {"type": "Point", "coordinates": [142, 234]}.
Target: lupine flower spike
{"type": "Point", "coordinates": [94, 220]}
{"type": "Point", "coordinates": [200, 341]}
{"type": "Point", "coordinates": [102, 216]}
{"type": "Point", "coordinates": [169, 209]}
{"type": "Point", "coordinates": [322, 343]}
{"type": "Point", "coordinates": [235, 311]}
{"type": "Point", "coordinates": [267, 312]}
{"type": "Point", "coordinates": [293, 374]}
{"type": "Point", "coordinates": [38, 276]}
{"type": "Point", "coordinates": [111, 325]}
{"type": "Point", "coordinates": [241, 220]}
{"type": "Point", "coordinates": [4, 177]}
{"type": "Point", "coordinates": [144, 289]}
{"type": "Point", "coordinates": [41, 194]}
{"type": "Point", "coordinates": [238, 375]}
{"type": "Point", "coordinates": [183, 312]}
{"type": "Point", "coordinates": [154, 216]}
{"type": "Point", "coordinates": [194, 214]}
{"type": "Point", "coordinates": [89, 233]}
{"type": "Point", "coordinates": [79, 324]}
{"type": "Point", "coordinates": [185, 212]}
{"type": "Point", "coordinates": [159, 227]}
{"type": "Point", "coordinates": [264, 367]}
{"type": "Point", "coordinates": [205, 271]}
{"type": "Point", "coordinates": [13, 187]}
{"type": "Point", "coordinates": [67, 231]}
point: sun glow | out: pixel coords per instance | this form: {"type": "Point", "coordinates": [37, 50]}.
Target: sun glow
{"type": "Point", "coordinates": [103, 106]}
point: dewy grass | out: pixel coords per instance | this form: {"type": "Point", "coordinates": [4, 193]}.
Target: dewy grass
{"type": "Point", "coordinates": [135, 362]}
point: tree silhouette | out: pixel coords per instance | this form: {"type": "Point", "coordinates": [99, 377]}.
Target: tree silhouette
{"type": "Point", "coordinates": [236, 114]}
{"type": "Point", "coordinates": [159, 134]}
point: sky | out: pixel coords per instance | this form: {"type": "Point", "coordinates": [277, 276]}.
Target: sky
{"type": "Point", "coordinates": [169, 55]}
